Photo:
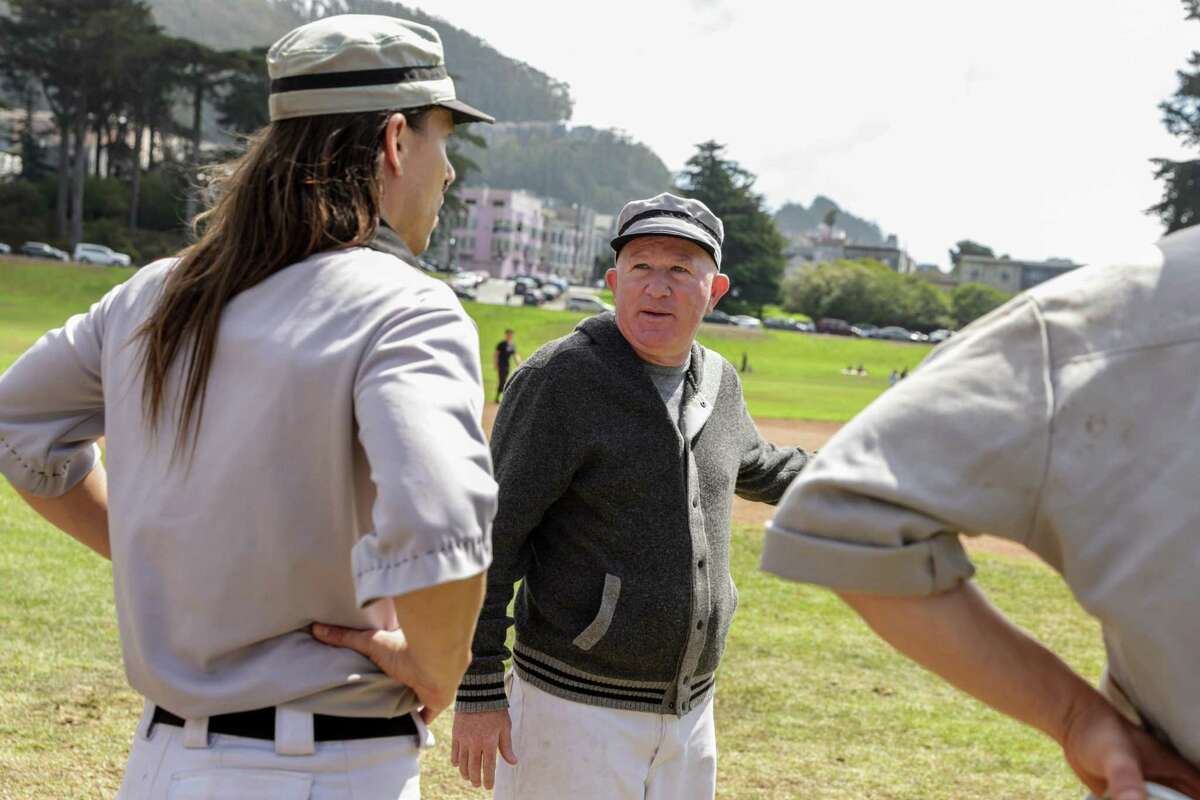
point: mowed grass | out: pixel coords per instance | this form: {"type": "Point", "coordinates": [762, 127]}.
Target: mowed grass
{"type": "Point", "coordinates": [809, 703]}
{"type": "Point", "coordinates": [791, 375]}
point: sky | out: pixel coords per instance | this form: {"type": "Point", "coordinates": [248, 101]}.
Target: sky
{"type": "Point", "coordinates": [1026, 125]}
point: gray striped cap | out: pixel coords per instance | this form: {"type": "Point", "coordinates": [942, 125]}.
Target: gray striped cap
{"type": "Point", "coordinates": [668, 215]}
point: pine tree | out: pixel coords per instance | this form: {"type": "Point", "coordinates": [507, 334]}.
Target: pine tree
{"type": "Point", "coordinates": [752, 254]}
{"type": "Point", "coordinates": [1180, 206]}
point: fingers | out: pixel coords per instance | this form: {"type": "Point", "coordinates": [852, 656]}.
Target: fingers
{"type": "Point", "coordinates": [506, 747]}
{"type": "Point", "coordinates": [1124, 777]}
{"type": "Point", "coordinates": [489, 768]}
{"type": "Point", "coordinates": [454, 751]}
{"type": "Point", "coordinates": [476, 763]}
{"type": "Point", "coordinates": [1162, 765]}
{"type": "Point", "coordinates": [337, 636]}
{"type": "Point", "coordinates": [464, 762]}
{"type": "Point", "coordinates": [430, 713]}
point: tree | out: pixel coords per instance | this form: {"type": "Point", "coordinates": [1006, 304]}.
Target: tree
{"type": "Point", "coordinates": [204, 72]}
{"type": "Point", "coordinates": [752, 254]}
{"type": "Point", "coordinates": [155, 63]}
{"type": "Point", "coordinates": [1180, 206]}
{"type": "Point", "coordinates": [866, 291]}
{"type": "Point", "coordinates": [242, 107]}
{"type": "Point", "coordinates": [970, 301]}
{"type": "Point", "coordinates": [966, 247]}
{"type": "Point", "coordinates": [77, 52]}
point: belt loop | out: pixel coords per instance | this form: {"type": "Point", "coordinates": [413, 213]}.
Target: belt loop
{"type": "Point", "coordinates": [294, 732]}
{"type": "Point", "coordinates": [195, 734]}
{"type": "Point", "coordinates": [145, 727]}
{"type": "Point", "coordinates": [425, 738]}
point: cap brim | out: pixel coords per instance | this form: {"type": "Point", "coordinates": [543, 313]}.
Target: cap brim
{"type": "Point", "coordinates": [464, 113]}
{"type": "Point", "coordinates": [669, 226]}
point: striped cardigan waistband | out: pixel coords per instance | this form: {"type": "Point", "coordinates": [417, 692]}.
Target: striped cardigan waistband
{"type": "Point", "coordinates": [565, 678]}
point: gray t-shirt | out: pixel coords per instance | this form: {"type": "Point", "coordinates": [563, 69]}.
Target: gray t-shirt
{"type": "Point", "coordinates": [1061, 421]}
{"type": "Point", "coordinates": [340, 463]}
{"type": "Point", "coordinates": [669, 382]}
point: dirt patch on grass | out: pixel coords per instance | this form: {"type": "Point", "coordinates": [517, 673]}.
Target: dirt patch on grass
{"type": "Point", "coordinates": [811, 436]}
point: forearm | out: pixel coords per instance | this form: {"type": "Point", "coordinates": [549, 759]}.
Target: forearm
{"type": "Point", "coordinates": [769, 471]}
{"type": "Point", "coordinates": [438, 624]}
{"type": "Point", "coordinates": [960, 636]}
{"type": "Point", "coordinates": [82, 512]}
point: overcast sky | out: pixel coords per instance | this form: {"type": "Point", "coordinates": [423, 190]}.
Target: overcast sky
{"type": "Point", "coordinates": [1025, 124]}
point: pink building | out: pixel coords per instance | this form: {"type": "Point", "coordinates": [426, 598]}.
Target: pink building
{"type": "Point", "coordinates": [501, 234]}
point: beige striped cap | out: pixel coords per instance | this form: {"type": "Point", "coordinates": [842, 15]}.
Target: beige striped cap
{"type": "Point", "coordinates": [353, 63]}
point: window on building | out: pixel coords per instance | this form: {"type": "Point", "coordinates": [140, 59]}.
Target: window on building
{"type": "Point", "coordinates": [498, 204]}
{"type": "Point", "coordinates": [470, 201]}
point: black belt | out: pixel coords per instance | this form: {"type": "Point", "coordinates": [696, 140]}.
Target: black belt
{"type": "Point", "coordinates": [260, 724]}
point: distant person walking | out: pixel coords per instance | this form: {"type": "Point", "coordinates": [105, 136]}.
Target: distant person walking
{"type": "Point", "coordinates": [504, 357]}
{"type": "Point", "coordinates": [292, 415]}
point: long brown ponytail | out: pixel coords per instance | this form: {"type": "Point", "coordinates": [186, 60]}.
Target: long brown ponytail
{"type": "Point", "coordinates": [303, 186]}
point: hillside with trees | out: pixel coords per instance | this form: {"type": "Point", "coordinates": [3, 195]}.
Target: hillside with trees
{"type": "Point", "coordinates": [506, 87]}
{"type": "Point", "coordinates": [601, 169]}
{"type": "Point", "coordinates": [795, 218]}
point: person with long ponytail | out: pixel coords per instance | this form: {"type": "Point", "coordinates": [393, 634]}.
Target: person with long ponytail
{"type": "Point", "coordinates": [296, 492]}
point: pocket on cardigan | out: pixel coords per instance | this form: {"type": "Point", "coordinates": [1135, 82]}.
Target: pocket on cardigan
{"type": "Point", "coordinates": [594, 632]}
{"type": "Point", "coordinates": [236, 784]}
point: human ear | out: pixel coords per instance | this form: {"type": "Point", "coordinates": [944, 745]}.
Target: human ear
{"type": "Point", "coordinates": [720, 286]}
{"type": "Point", "coordinates": [610, 277]}
{"type": "Point", "coordinates": [393, 150]}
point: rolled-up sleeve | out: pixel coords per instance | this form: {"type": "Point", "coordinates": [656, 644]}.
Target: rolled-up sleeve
{"type": "Point", "coordinates": [52, 407]}
{"type": "Point", "coordinates": [418, 401]}
{"type": "Point", "coordinates": [960, 446]}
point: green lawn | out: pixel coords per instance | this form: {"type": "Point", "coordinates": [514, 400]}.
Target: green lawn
{"type": "Point", "coordinates": [792, 375]}
{"type": "Point", "coordinates": [809, 703]}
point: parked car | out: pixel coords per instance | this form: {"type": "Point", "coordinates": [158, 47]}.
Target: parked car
{"type": "Point", "coordinates": [718, 318]}
{"type": "Point", "coordinates": [917, 336]}
{"type": "Point", "coordinates": [783, 324]}
{"type": "Point", "coordinates": [462, 292]}
{"type": "Point", "coordinates": [42, 250]}
{"type": "Point", "coordinates": [865, 330]}
{"type": "Point", "coordinates": [534, 297]}
{"type": "Point", "coordinates": [837, 327]}
{"type": "Point", "coordinates": [746, 321]}
{"type": "Point", "coordinates": [88, 253]}
{"type": "Point", "coordinates": [587, 303]}
{"type": "Point", "coordinates": [940, 335]}
{"type": "Point", "coordinates": [523, 284]}
{"type": "Point", "coordinates": [894, 333]}
{"type": "Point", "coordinates": [4, 249]}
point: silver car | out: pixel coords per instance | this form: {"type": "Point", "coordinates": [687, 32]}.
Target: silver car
{"type": "Point", "coordinates": [87, 253]}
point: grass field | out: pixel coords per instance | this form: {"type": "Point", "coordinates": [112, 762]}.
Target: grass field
{"type": "Point", "coordinates": [809, 703]}
{"type": "Point", "coordinates": [793, 376]}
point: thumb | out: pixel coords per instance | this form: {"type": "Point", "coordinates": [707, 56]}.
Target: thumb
{"type": "Point", "coordinates": [506, 748]}
{"type": "Point", "coordinates": [337, 636]}
{"type": "Point", "coordinates": [1124, 778]}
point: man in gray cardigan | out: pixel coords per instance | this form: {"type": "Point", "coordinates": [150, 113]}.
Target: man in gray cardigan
{"type": "Point", "coordinates": [618, 450]}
